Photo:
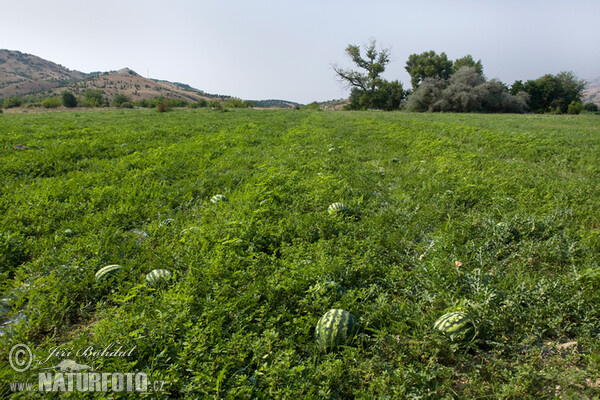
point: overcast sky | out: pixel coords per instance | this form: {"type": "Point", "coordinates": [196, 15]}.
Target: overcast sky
{"type": "Point", "coordinates": [285, 49]}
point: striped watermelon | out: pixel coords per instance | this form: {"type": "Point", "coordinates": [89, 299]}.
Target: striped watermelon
{"type": "Point", "coordinates": [327, 289]}
{"type": "Point", "coordinates": [335, 328]}
{"type": "Point", "coordinates": [104, 272]}
{"type": "Point", "coordinates": [337, 208]}
{"type": "Point", "coordinates": [218, 198]}
{"type": "Point", "coordinates": [457, 325]}
{"type": "Point", "coordinates": [158, 276]}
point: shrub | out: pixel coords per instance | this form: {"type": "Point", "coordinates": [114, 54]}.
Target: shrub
{"type": "Point", "coordinates": [51, 102]}
{"type": "Point", "coordinates": [68, 99]}
{"type": "Point", "coordinates": [201, 103]}
{"type": "Point", "coordinates": [234, 102]}
{"type": "Point", "coordinates": [592, 107]}
{"type": "Point", "coordinates": [12, 102]}
{"type": "Point", "coordinates": [119, 100]}
{"type": "Point", "coordinates": [93, 98]}
{"type": "Point", "coordinates": [575, 107]}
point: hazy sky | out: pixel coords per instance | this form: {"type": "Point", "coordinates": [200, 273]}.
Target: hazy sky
{"type": "Point", "coordinates": [285, 49]}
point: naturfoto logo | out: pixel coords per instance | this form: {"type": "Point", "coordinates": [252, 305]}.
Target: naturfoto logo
{"type": "Point", "coordinates": [68, 375]}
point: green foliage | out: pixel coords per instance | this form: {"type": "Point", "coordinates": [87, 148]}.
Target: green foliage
{"type": "Point", "coordinates": [591, 107]}
{"type": "Point", "coordinates": [388, 97]}
{"type": "Point", "coordinates": [202, 103]}
{"type": "Point", "coordinates": [68, 99]}
{"type": "Point", "coordinates": [369, 90]}
{"type": "Point", "coordinates": [121, 100]}
{"type": "Point", "coordinates": [234, 102]}
{"type": "Point", "coordinates": [493, 215]}
{"type": "Point", "coordinates": [465, 91]}
{"type": "Point", "coordinates": [12, 102]}
{"type": "Point", "coordinates": [428, 64]}
{"type": "Point", "coordinates": [51, 102]}
{"type": "Point", "coordinates": [554, 93]}
{"type": "Point", "coordinates": [93, 98]}
{"type": "Point", "coordinates": [312, 106]}
{"type": "Point", "coordinates": [467, 61]}
{"type": "Point", "coordinates": [575, 107]}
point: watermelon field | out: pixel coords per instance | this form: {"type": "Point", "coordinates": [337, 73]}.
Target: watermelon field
{"type": "Point", "coordinates": [492, 219]}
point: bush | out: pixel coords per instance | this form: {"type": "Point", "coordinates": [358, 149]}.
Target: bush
{"type": "Point", "coordinates": [591, 107]}
{"type": "Point", "coordinates": [68, 99]}
{"type": "Point", "coordinates": [12, 102]}
{"type": "Point", "coordinates": [119, 100]}
{"type": "Point", "coordinates": [51, 102]}
{"type": "Point", "coordinates": [234, 102]}
{"type": "Point", "coordinates": [575, 107]}
{"type": "Point", "coordinates": [215, 105]}
{"type": "Point", "coordinates": [201, 103]}
{"type": "Point", "coordinates": [93, 98]}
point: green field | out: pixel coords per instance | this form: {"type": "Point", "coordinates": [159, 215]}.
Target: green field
{"type": "Point", "coordinates": [497, 216]}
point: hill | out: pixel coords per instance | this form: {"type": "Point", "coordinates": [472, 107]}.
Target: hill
{"type": "Point", "coordinates": [22, 74]}
{"type": "Point", "coordinates": [136, 87]}
{"type": "Point", "coordinates": [591, 94]}
{"type": "Point", "coordinates": [25, 74]}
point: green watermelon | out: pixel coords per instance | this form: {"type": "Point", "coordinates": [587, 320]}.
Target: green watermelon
{"type": "Point", "coordinates": [218, 199]}
{"type": "Point", "coordinates": [328, 289]}
{"type": "Point", "coordinates": [158, 276]}
{"type": "Point", "coordinates": [107, 271]}
{"type": "Point", "coordinates": [335, 328]}
{"type": "Point", "coordinates": [337, 208]}
{"type": "Point", "coordinates": [457, 325]}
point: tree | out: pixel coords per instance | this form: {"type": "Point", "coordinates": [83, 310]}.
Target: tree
{"type": "Point", "coordinates": [120, 100]}
{"type": "Point", "coordinates": [467, 61]}
{"type": "Point", "coordinates": [51, 102]}
{"type": "Point", "coordinates": [428, 65]}
{"type": "Point", "coordinates": [68, 99]}
{"type": "Point", "coordinates": [93, 97]}
{"type": "Point", "coordinates": [554, 93]}
{"type": "Point", "coordinates": [465, 91]}
{"type": "Point", "coordinates": [365, 85]}
{"type": "Point", "coordinates": [517, 87]}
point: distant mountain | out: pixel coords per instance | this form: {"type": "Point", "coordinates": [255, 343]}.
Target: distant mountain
{"type": "Point", "coordinates": [274, 103]}
{"type": "Point", "coordinates": [128, 82]}
{"type": "Point", "coordinates": [24, 74]}
{"type": "Point", "coordinates": [591, 94]}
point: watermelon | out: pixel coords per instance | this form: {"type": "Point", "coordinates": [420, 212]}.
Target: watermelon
{"type": "Point", "coordinates": [457, 325]}
{"type": "Point", "coordinates": [337, 208]}
{"type": "Point", "coordinates": [218, 199]}
{"type": "Point", "coordinates": [327, 289]}
{"type": "Point", "coordinates": [335, 328]}
{"type": "Point", "coordinates": [104, 272]}
{"type": "Point", "coordinates": [158, 276]}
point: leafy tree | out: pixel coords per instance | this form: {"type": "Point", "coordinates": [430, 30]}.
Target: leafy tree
{"type": "Point", "coordinates": [428, 65]}
{"type": "Point", "coordinates": [68, 99]}
{"type": "Point", "coordinates": [517, 87]}
{"type": "Point", "coordinates": [592, 107]}
{"type": "Point", "coordinates": [426, 96]}
{"type": "Point", "coordinates": [93, 97]}
{"type": "Point", "coordinates": [119, 100]}
{"type": "Point", "coordinates": [365, 85]}
{"type": "Point", "coordinates": [467, 61]}
{"type": "Point", "coordinates": [554, 93]}
{"type": "Point", "coordinates": [51, 102]}
{"type": "Point", "coordinates": [234, 102]}
{"type": "Point", "coordinates": [465, 91]}
{"type": "Point", "coordinates": [575, 107]}
{"type": "Point", "coordinates": [12, 102]}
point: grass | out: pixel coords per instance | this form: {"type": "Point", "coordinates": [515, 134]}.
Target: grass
{"type": "Point", "coordinates": [493, 215]}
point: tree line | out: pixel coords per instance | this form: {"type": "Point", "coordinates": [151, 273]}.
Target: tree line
{"type": "Point", "coordinates": [96, 98]}
{"type": "Point", "coordinates": [443, 85]}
